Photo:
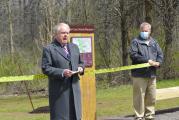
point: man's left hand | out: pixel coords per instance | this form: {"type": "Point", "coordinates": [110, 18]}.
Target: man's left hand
{"type": "Point", "coordinates": [156, 64]}
{"type": "Point", "coordinates": [80, 69]}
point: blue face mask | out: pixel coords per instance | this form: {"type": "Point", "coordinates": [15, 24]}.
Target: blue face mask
{"type": "Point", "coordinates": [144, 35]}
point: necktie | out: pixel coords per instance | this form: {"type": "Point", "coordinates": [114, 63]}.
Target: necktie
{"type": "Point", "coordinates": [66, 51]}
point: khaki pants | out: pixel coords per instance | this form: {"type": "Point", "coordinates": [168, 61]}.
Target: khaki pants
{"type": "Point", "coordinates": [144, 97]}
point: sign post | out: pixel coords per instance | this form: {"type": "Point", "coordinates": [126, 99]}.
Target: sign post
{"type": "Point", "coordinates": [83, 36]}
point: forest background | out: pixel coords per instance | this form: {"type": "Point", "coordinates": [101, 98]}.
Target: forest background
{"type": "Point", "coordinates": [26, 26]}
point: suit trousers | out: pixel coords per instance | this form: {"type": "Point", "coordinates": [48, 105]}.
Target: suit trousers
{"type": "Point", "coordinates": [144, 97]}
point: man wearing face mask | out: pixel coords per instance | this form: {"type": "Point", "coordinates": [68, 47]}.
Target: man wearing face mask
{"type": "Point", "coordinates": [145, 49]}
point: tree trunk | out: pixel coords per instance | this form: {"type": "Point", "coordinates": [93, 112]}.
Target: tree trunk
{"type": "Point", "coordinates": [10, 28]}
{"type": "Point", "coordinates": [168, 17]}
{"type": "Point", "coordinates": [124, 40]}
{"type": "Point", "coordinates": [148, 11]}
{"type": "Point", "coordinates": [168, 70]}
{"type": "Point", "coordinates": [68, 11]}
{"type": "Point", "coordinates": [84, 12]}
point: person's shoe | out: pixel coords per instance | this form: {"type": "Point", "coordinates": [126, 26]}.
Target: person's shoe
{"type": "Point", "coordinates": [138, 118]}
{"type": "Point", "coordinates": [149, 118]}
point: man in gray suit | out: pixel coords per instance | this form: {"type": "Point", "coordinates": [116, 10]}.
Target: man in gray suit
{"type": "Point", "coordinates": [59, 61]}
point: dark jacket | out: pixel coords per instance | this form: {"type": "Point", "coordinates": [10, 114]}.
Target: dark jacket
{"type": "Point", "coordinates": [62, 91]}
{"type": "Point", "coordinates": [141, 52]}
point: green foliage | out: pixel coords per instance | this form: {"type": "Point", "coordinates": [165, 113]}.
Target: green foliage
{"type": "Point", "coordinates": [17, 65]}
{"type": "Point", "coordinates": [159, 35]}
{"type": "Point", "coordinates": [133, 32]}
{"type": "Point", "coordinates": [20, 64]}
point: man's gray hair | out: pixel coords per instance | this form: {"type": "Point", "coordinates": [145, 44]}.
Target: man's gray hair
{"type": "Point", "coordinates": [58, 27]}
{"type": "Point", "coordinates": [145, 24]}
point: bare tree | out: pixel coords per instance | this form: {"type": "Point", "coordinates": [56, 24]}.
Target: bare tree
{"type": "Point", "coordinates": [148, 11]}
{"type": "Point", "coordinates": [124, 10]}
{"type": "Point", "coordinates": [10, 20]}
{"type": "Point", "coordinates": [167, 10]}
{"type": "Point", "coordinates": [104, 40]}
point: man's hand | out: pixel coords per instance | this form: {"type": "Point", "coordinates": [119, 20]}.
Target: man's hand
{"type": "Point", "coordinates": [80, 69]}
{"type": "Point", "coordinates": [67, 73]}
{"type": "Point", "coordinates": [153, 63]}
{"type": "Point", "coordinates": [157, 64]}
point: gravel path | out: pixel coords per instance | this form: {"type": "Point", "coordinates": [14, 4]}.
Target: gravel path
{"type": "Point", "coordinates": [168, 114]}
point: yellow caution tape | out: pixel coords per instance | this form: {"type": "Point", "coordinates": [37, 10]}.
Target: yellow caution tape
{"type": "Point", "coordinates": [121, 68]}
{"type": "Point", "coordinates": [42, 76]}
{"type": "Point", "coordinates": [22, 78]}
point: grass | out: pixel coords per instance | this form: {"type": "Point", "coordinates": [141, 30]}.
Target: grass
{"type": "Point", "coordinates": [114, 101]}
{"type": "Point", "coordinates": [23, 116]}
{"type": "Point", "coordinates": [167, 83]}
{"type": "Point", "coordinates": [117, 101]}
{"type": "Point", "coordinates": [18, 108]}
